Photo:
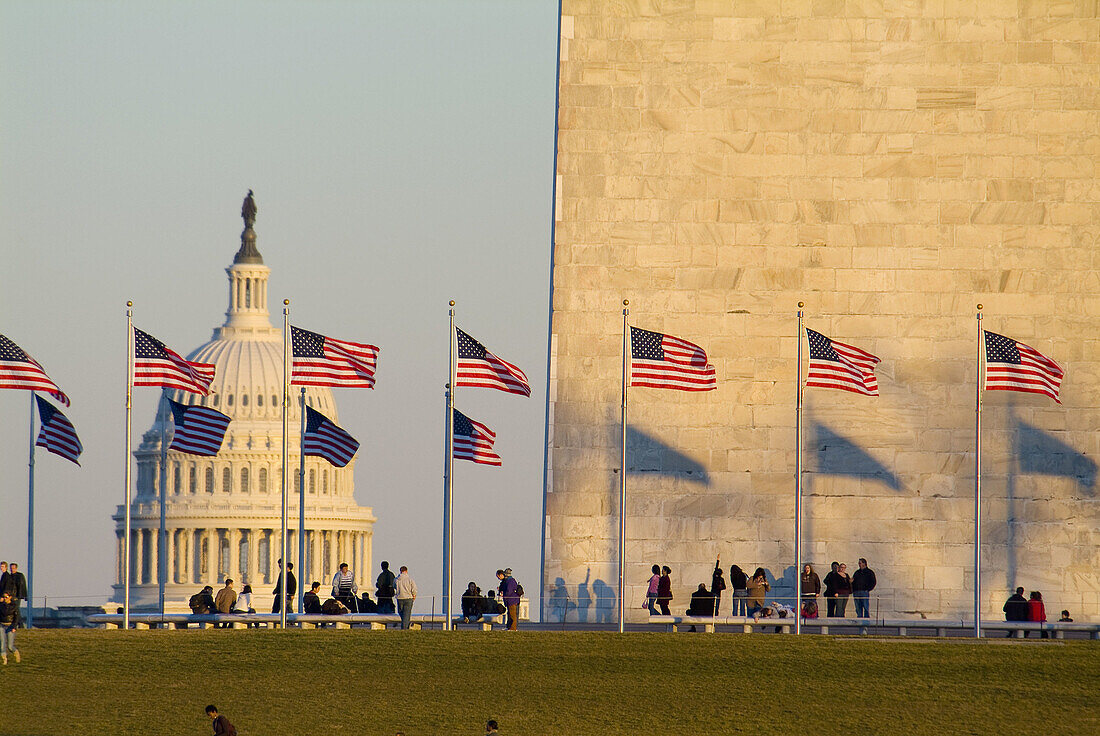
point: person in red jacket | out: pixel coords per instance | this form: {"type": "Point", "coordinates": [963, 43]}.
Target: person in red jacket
{"type": "Point", "coordinates": [1037, 612]}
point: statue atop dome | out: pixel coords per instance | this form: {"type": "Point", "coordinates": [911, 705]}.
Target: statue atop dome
{"type": "Point", "coordinates": [248, 252]}
{"type": "Point", "coordinates": [248, 211]}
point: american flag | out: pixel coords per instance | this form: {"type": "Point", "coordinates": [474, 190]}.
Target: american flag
{"type": "Point", "coordinates": [157, 365]}
{"type": "Point", "coordinates": [199, 430]}
{"type": "Point", "coordinates": [836, 365]}
{"type": "Point", "coordinates": [325, 439]}
{"type": "Point", "coordinates": [19, 370]}
{"type": "Point", "coordinates": [57, 433]}
{"type": "Point", "coordinates": [479, 368]}
{"type": "Point", "coordinates": [325, 361]}
{"type": "Point", "coordinates": [473, 441]}
{"type": "Point", "coordinates": [664, 361]}
{"type": "Point", "coordinates": [1013, 366]}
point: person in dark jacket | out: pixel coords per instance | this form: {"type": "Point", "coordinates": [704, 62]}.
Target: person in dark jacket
{"type": "Point", "coordinates": [831, 581]}
{"type": "Point", "coordinates": [9, 622]}
{"type": "Point", "coordinates": [15, 583]}
{"type": "Point", "coordinates": [222, 726]}
{"type": "Point", "coordinates": [843, 589]}
{"type": "Point", "coordinates": [490, 605]}
{"type": "Point", "coordinates": [203, 601]}
{"type": "Point", "coordinates": [384, 589]}
{"type": "Point", "coordinates": [510, 595]}
{"type": "Point", "coordinates": [863, 582]}
{"type": "Point", "coordinates": [810, 587]}
{"type": "Point", "coordinates": [739, 581]}
{"type": "Point", "coordinates": [291, 588]}
{"type": "Point", "coordinates": [717, 585]}
{"type": "Point", "coordinates": [664, 590]}
{"type": "Point", "coordinates": [471, 603]}
{"type": "Point", "coordinates": [311, 601]}
{"type": "Point", "coordinates": [1015, 608]}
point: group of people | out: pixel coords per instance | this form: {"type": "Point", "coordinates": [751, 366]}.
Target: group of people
{"type": "Point", "coordinates": [749, 592]}
{"type": "Point", "coordinates": [475, 605]}
{"type": "Point", "coordinates": [13, 588]}
{"type": "Point", "coordinates": [1018, 608]}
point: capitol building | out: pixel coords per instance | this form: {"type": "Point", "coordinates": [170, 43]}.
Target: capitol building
{"type": "Point", "coordinates": [223, 512]}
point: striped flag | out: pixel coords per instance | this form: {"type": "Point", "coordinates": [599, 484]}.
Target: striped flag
{"type": "Point", "coordinates": [1013, 366]}
{"type": "Point", "coordinates": [325, 439]}
{"type": "Point", "coordinates": [324, 361]}
{"type": "Point", "coordinates": [473, 441]}
{"type": "Point", "coordinates": [19, 370]}
{"type": "Point", "coordinates": [836, 365]}
{"type": "Point", "coordinates": [57, 433]}
{"type": "Point", "coordinates": [664, 361]}
{"type": "Point", "coordinates": [479, 368]}
{"type": "Point", "coordinates": [157, 365]}
{"type": "Point", "coordinates": [199, 429]}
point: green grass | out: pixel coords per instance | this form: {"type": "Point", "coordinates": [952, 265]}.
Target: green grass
{"type": "Point", "coordinates": [432, 682]}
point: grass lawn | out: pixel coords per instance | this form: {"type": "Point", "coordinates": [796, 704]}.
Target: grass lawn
{"type": "Point", "coordinates": [431, 682]}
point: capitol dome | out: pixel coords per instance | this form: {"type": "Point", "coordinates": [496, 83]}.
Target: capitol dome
{"type": "Point", "coordinates": [222, 513]}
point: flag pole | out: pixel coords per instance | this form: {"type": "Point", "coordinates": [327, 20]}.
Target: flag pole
{"type": "Point", "coordinates": [978, 481]}
{"type": "Point", "coordinates": [162, 534]}
{"type": "Point", "coordinates": [302, 505]}
{"type": "Point", "coordinates": [448, 476]}
{"type": "Point", "coordinates": [126, 473]}
{"type": "Point", "coordinates": [798, 486]}
{"type": "Point", "coordinates": [286, 452]}
{"type": "Point", "coordinates": [622, 471]}
{"type": "Point", "coordinates": [30, 523]}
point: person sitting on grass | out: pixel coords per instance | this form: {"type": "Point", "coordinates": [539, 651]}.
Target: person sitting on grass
{"type": "Point", "coordinates": [311, 602]}
{"type": "Point", "coordinates": [222, 726]}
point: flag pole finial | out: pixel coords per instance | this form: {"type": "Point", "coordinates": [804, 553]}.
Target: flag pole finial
{"type": "Point", "coordinates": [979, 307]}
{"type": "Point", "coordinates": [626, 302]}
{"type": "Point", "coordinates": [286, 302]}
{"type": "Point", "coordinates": [452, 302]}
{"type": "Point", "coordinates": [129, 304]}
{"type": "Point", "coordinates": [801, 304]}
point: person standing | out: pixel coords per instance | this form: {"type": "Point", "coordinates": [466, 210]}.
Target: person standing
{"type": "Point", "coordinates": [810, 587]}
{"type": "Point", "coordinates": [291, 589]}
{"type": "Point", "coordinates": [739, 581]}
{"type": "Point", "coordinates": [831, 581]}
{"type": "Point", "coordinates": [3, 575]}
{"type": "Point", "coordinates": [717, 584]}
{"type": "Point", "coordinates": [221, 724]}
{"type": "Point", "coordinates": [664, 590]}
{"type": "Point", "coordinates": [509, 591]}
{"type": "Point", "coordinates": [344, 588]}
{"type": "Point", "coordinates": [405, 590]}
{"type": "Point", "coordinates": [9, 622]}
{"type": "Point", "coordinates": [384, 590]}
{"type": "Point", "coordinates": [651, 592]}
{"type": "Point", "coordinates": [863, 582]}
{"type": "Point", "coordinates": [758, 589]}
{"type": "Point", "coordinates": [843, 590]}
{"type": "Point", "coordinates": [15, 583]}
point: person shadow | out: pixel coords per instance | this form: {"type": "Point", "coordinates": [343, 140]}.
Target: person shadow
{"type": "Point", "coordinates": [584, 598]}
{"type": "Point", "coordinates": [605, 602]}
{"type": "Point", "coordinates": [559, 601]}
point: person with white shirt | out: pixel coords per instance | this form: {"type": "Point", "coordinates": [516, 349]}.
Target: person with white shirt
{"type": "Point", "coordinates": [406, 594]}
{"type": "Point", "coordinates": [344, 588]}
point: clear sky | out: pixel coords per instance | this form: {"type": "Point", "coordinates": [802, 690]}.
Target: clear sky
{"type": "Point", "coordinates": [401, 155]}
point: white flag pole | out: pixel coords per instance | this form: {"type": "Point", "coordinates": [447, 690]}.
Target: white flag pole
{"type": "Point", "coordinates": [978, 481]}
{"type": "Point", "coordinates": [162, 533]}
{"type": "Point", "coordinates": [30, 523]}
{"type": "Point", "coordinates": [798, 485]}
{"type": "Point", "coordinates": [622, 470]}
{"type": "Point", "coordinates": [448, 477]}
{"type": "Point", "coordinates": [302, 507]}
{"type": "Point", "coordinates": [281, 600]}
{"type": "Point", "coordinates": [126, 473]}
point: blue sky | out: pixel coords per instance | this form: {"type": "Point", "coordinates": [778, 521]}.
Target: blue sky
{"type": "Point", "coordinates": [401, 156]}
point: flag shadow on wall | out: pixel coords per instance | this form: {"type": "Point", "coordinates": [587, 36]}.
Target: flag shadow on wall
{"type": "Point", "coordinates": [1039, 452]}
{"type": "Point", "coordinates": [647, 454]}
{"type": "Point", "coordinates": [830, 453]}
